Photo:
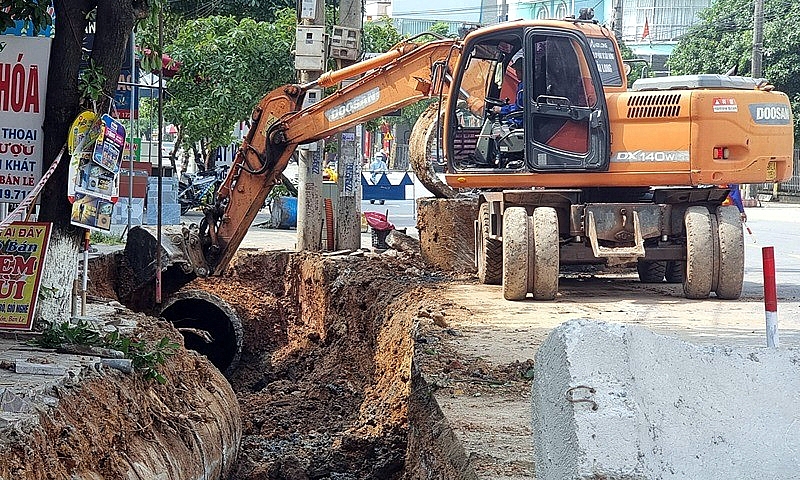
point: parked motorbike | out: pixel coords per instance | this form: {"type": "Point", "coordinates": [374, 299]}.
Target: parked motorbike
{"type": "Point", "coordinates": [200, 189]}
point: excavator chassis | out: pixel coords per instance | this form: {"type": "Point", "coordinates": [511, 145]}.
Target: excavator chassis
{"type": "Point", "coordinates": [683, 235]}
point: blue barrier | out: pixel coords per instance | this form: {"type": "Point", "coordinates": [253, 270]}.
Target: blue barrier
{"type": "Point", "coordinates": [383, 189]}
{"type": "Point", "coordinates": [284, 212]}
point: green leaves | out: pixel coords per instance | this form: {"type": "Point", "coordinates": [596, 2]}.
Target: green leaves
{"type": "Point", "coordinates": [90, 82]}
{"type": "Point", "coordinates": [56, 334]}
{"type": "Point", "coordinates": [146, 358]}
{"type": "Point", "coordinates": [226, 67]}
{"type": "Point", "coordinates": [724, 39]}
{"type": "Point", "coordinates": [32, 12]}
{"type": "Point", "coordinates": [379, 36]}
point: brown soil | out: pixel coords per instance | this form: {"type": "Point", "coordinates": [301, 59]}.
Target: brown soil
{"type": "Point", "coordinates": [379, 368]}
{"type": "Point", "coordinates": [325, 374]}
{"type": "Point", "coordinates": [448, 245]}
{"type": "Point", "coordinates": [326, 382]}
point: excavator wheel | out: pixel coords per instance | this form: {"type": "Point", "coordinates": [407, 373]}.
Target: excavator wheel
{"type": "Point", "coordinates": [699, 253]}
{"type": "Point", "coordinates": [651, 272]}
{"type": "Point", "coordinates": [675, 271]}
{"type": "Point", "coordinates": [423, 136]}
{"type": "Point", "coordinates": [545, 262]}
{"type": "Point", "coordinates": [731, 253]}
{"type": "Point", "coordinates": [516, 242]}
{"type": "Point", "coordinates": [490, 255]}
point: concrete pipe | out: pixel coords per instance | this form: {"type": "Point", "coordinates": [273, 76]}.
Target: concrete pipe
{"type": "Point", "coordinates": [209, 326]}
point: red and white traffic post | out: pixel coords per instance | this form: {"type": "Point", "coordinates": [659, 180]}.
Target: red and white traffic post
{"type": "Point", "coordinates": [770, 295]}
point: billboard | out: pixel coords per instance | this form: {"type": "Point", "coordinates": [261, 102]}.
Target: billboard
{"type": "Point", "coordinates": [23, 88]}
{"type": "Point", "coordinates": [22, 255]}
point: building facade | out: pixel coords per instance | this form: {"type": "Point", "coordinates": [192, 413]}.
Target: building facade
{"type": "Point", "coordinates": [652, 28]}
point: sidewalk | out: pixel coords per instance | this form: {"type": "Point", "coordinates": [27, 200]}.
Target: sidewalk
{"type": "Point", "coordinates": [257, 237]}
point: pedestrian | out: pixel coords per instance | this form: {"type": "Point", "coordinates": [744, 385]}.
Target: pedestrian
{"type": "Point", "coordinates": [735, 198]}
{"type": "Point", "coordinates": [378, 166]}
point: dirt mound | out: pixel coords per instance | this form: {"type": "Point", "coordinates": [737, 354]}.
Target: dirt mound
{"type": "Point", "coordinates": [113, 425]}
{"type": "Point", "coordinates": [324, 380]}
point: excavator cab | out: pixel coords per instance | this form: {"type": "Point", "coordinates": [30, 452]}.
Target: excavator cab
{"type": "Point", "coordinates": [552, 119]}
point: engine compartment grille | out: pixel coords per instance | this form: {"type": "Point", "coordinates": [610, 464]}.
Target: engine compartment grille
{"type": "Point", "coordinates": [654, 106]}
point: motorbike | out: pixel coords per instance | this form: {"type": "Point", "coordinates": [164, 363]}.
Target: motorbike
{"type": "Point", "coordinates": [200, 189]}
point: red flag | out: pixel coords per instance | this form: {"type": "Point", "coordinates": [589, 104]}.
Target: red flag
{"type": "Point", "coordinates": [646, 30]}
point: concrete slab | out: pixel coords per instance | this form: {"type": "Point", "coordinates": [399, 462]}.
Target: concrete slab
{"type": "Point", "coordinates": [618, 401]}
{"type": "Point", "coordinates": [30, 377]}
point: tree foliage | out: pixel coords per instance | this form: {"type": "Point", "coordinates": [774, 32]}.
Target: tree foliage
{"type": "Point", "coordinates": [638, 68]}
{"type": "Point", "coordinates": [381, 35]}
{"type": "Point", "coordinates": [226, 65]}
{"type": "Point", "coordinates": [723, 39]}
{"type": "Point", "coordinates": [259, 10]}
{"type": "Point", "coordinates": [33, 13]}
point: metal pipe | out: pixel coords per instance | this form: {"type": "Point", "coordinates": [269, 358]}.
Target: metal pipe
{"type": "Point", "coordinates": [160, 159]}
{"type": "Point", "coordinates": [85, 278]}
{"type": "Point", "coordinates": [134, 105]}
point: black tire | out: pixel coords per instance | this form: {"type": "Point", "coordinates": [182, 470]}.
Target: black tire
{"type": "Point", "coordinates": [676, 270]}
{"type": "Point", "coordinates": [185, 208]}
{"type": "Point", "coordinates": [699, 253]}
{"type": "Point", "coordinates": [730, 276]}
{"type": "Point", "coordinates": [651, 272]}
{"type": "Point", "coordinates": [516, 241]}
{"type": "Point", "coordinates": [490, 255]}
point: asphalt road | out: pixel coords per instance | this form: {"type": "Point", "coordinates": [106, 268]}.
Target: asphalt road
{"type": "Point", "coordinates": [777, 226]}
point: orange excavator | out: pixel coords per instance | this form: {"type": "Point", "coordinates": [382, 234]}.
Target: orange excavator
{"type": "Point", "coordinates": [583, 171]}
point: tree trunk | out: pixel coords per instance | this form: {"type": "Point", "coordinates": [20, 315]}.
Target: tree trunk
{"type": "Point", "coordinates": [115, 21]}
{"type": "Point", "coordinates": [63, 104]}
{"type": "Point", "coordinates": [173, 155]}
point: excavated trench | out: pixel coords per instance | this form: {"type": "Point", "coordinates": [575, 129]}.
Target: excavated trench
{"type": "Point", "coordinates": [319, 352]}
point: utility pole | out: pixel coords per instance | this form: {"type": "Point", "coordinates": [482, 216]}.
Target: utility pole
{"type": "Point", "coordinates": [345, 45]}
{"type": "Point", "coordinates": [755, 70]}
{"type": "Point", "coordinates": [618, 19]}
{"type": "Point", "coordinates": [758, 37]}
{"type": "Point", "coordinates": [310, 61]}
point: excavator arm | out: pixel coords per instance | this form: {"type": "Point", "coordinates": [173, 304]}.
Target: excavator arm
{"type": "Point", "coordinates": [403, 76]}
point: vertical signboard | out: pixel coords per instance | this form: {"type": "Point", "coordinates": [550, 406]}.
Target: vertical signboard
{"type": "Point", "coordinates": [23, 84]}
{"type": "Point", "coordinates": [22, 254]}
{"type": "Point", "coordinates": [93, 184]}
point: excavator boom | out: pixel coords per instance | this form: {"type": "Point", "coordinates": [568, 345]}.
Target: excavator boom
{"type": "Point", "coordinates": [403, 76]}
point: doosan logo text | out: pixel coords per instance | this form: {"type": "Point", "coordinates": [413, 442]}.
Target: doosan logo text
{"type": "Point", "coordinates": [771, 113]}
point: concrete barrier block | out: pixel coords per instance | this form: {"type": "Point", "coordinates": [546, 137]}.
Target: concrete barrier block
{"type": "Point", "coordinates": [618, 401]}
{"type": "Point", "coordinates": [23, 366]}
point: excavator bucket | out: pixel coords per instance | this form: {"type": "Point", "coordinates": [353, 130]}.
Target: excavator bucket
{"type": "Point", "coordinates": [180, 249]}
{"type": "Point", "coordinates": [423, 135]}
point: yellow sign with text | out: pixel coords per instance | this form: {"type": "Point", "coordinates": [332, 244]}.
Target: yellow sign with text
{"type": "Point", "coordinates": [22, 253]}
